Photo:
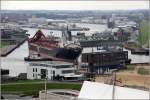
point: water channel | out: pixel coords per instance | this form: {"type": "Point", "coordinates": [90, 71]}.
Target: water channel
{"type": "Point", "coordinates": [15, 61]}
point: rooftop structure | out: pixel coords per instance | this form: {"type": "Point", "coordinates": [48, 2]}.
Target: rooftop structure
{"type": "Point", "coordinates": [50, 63]}
{"type": "Point", "coordinates": [100, 91]}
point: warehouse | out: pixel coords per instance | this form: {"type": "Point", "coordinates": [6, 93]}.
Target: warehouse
{"type": "Point", "coordinates": [99, 62]}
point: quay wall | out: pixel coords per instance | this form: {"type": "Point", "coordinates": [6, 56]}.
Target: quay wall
{"type": "Point", "coordinates": [5, 51]}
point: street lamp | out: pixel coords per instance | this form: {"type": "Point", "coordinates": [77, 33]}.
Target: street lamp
{"type": "Point", "coordinates": [114, 83]}
{"type": "Point", "coordinates": [46, 84]}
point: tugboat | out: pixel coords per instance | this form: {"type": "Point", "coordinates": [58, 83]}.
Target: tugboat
{"type": "Point", "coordinates": [52, 48]}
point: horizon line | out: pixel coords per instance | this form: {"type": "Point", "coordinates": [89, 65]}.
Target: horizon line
{"type": "Point", "coordinates": [71, 9]}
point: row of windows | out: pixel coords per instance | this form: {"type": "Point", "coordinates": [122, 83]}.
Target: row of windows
{"type": "Point", "coordinates": [63, 66]}
{"type": "Point", "coordinates": [32, 47]}
{"type": "Point", "coordinates": [34, 69]}
{"type": "Point", "coordinates": [45, 65]}
{"type": "Point", "coordinates": [53, 72]}
{"type": "Point", "coordinates": [104, 58]}
{"type": "Point", "coordinates": [35, 75]}
{"type": "Point", "coordinates": [46, 51]}
{"type": "Point", "coordinates": [67, 71]}
{"type": "Point", "coordinates": [34, 64]}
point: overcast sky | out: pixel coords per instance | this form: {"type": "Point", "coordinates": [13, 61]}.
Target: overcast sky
{"type": "Point", "coordinates": [74, 5]}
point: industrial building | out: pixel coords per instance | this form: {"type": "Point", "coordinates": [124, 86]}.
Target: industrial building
{"type": "Point", "coordinates": [106, 54]}
{"type": "Point", "coordinates": [99, 62]}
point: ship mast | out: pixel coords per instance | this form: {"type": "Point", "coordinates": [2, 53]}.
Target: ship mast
{"type": "Point", "coordinates": [63, 36]}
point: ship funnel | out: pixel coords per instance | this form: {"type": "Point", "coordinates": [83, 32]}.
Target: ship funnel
{"type": "Point", "coordinates": [67, 34]}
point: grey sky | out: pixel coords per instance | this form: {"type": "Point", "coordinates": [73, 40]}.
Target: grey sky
{"type": "Point", "coordinates": [74, 5]}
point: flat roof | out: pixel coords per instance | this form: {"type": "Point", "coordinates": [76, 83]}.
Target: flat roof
{"type": "Point", "coordinates": [54, 63]}
{"type": "Point", "coordinates": [75, 75]}
{"type": "Point", "coordinates": [105, 52]}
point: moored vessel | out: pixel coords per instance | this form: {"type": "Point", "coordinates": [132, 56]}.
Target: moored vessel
{"type": "Point", "coordinates": [53, 48]}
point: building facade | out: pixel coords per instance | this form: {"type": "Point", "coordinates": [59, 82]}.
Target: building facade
{"type": "Point", "coordinates": [101, 62]}
{"type": "Point", "coordinates": [51, 70]}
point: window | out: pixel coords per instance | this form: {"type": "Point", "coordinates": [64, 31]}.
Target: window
{"type": "Point", "coordinates": [33, 69]}
{"type": "Point", "coordinates": [87, 58]}
{"type": "Point", "coordinates": [67, 71]}
{"type": "Point", "coordinates": [53, 72]}
{"type": "Point", "coordinates": [32, 47]}
{"type": "Point", "coordinates": [36, 69]}
{"type": "Point", "coordinates": [63, 66]}
{"type": "Point", "coordinates": [33, 75]}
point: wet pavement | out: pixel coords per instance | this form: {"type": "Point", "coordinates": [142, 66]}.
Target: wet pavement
{"type": "Point", "coordinates": [16, 97]}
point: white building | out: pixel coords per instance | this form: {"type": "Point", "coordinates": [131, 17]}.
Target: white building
{"type": "Point", "coordinates": [38, 70]}
{"type": "Point", "coordinates": [100, 91]}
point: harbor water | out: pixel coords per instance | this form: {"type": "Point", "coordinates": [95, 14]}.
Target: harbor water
{"type": "Point", "coordinates": [15, 61]}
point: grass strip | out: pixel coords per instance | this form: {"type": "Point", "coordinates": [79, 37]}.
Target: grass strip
{"type": "Point", "coordinates": [143, 71]}
{"type": "Point", "coordinates": [33, 89]}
